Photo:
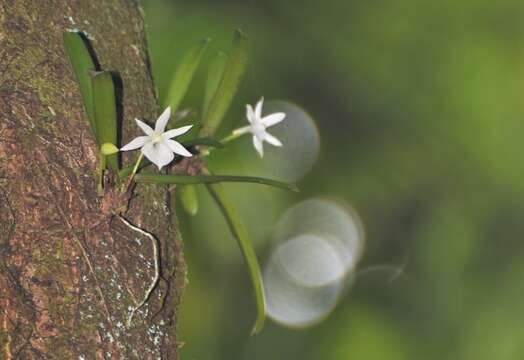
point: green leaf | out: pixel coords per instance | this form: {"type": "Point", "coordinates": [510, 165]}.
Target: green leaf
{"type": "Point", "coordinates": [204, 141]}
{"type": "Point", "coordinates": [214, 75]}
{"type": "Point", "coordinates": [210, 179]}
{"type": "Point", "coordinates": [239, 231]}
{"type": "Point", "coordinates": [189, 199]}
{"type": "Point", "coordinates": [198, 141]}
{"type": "Point", "coordinates": [228, 86]}
{"type": "Point", "coordinates": [183, 75]}
{"type": "Point", "coordinates": [83, 64]}
{"type": "Point", "coordinates": [104, 105]}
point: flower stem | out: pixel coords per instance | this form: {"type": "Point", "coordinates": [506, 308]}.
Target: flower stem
{"type": "Point", "coordinates": [234, 135]}
{"type": "Point", "coordinates": [137, 164]}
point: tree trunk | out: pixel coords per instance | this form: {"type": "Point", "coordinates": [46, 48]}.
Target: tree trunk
{"type": "Point", "coordinates": [69, 272]}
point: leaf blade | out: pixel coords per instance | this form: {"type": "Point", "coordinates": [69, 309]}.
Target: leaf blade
{"type": "Point", "coordinates": [214, 75]}
{"type": "Point", "coordinates": [228, 86]}
{"type": "Point", "coordinates": [189, 199]}
{"type": "Point", "coordinates": [210, 179]}
{"type": "Point", "coordinates": [207, 141]}
{"type": "Point", "coordinates": [83, 64]}
{"type": "Point", "coordinates": [184, 74]}
{"type": "Point", "coordinates": [104, 106]}
{"type": "Point", "coordinates": [239, 232]}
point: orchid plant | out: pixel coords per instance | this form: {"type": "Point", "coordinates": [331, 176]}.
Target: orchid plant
{"type": "Point", "coordinates": [159, 147]}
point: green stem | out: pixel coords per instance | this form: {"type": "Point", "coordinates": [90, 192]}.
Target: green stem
{"type": "Point", "coordinates": [231, 137]}
{"type": "Point", "coordinates": [225, 140]}
{"type": "Point", "coordinates": [137, 164]}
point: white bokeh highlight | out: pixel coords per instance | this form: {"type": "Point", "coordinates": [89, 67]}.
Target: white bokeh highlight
{"type": "Point", "coordinates": [318, 245]}
{"type": "Point", "coordinates": [310, 260]}
{"type": "Point", "coordinates": [291, 303]}
{"type": "Point", "coordinates": [332, 220]}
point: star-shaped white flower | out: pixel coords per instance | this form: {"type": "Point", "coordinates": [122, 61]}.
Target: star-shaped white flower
{"type": "Point", "coordinates": [258, 125]}
{"type": "Point", "coordinates": [158, 145]}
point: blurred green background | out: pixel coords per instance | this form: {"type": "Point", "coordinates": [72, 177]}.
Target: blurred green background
{"type": "Point", "coordinates": [419, 107]}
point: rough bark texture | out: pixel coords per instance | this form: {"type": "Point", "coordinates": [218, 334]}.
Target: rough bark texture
{"type": "Point", "coordinates": [68, 273]}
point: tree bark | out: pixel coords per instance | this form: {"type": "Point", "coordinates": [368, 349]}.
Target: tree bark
{"type": "Point", "coordinates": [69, 272]}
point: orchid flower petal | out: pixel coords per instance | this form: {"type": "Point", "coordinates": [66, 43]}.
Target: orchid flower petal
{"type": "Point", "coordinates": [257, 143]}
{"type": "Point", "coordinates": [258, 108]}
{"type": "Point", "coordinates": [177, 148]}
{"type": "Point", "coordinates": [273, 119]}
{"type": "Point", "coordinates": [158, 153]}
{"type": "Point", "coordinates": [250, 113]}
{"type": "Point", "coordinates": [162, 120]}
{"type": "Point", "coordinates": [135, 143]}
{"type": "Point", "coordinates": [271, 139]}
{"type": "Point", "coordinates": [145, 128]}
{"type": "Point", "coordinates": [177, 132]}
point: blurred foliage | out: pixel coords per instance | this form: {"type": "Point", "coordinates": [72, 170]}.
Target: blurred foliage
{"type": "Point", "coordinates": [419, 105]}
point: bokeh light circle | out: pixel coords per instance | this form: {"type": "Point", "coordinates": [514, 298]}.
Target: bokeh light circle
{"type": "Point", "coordinates": [333, 221]}
{"type": "Point", "coordinates": [310, 260]}
{"type": "Point", "coordinates": [318, 245]}
{"type": "Point", "coordinates": [291, 303]}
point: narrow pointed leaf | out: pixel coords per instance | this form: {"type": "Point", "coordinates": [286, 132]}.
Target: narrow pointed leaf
{"type": "Point", "coordinates": [227, 87]}
{"type": "Point", "coordinates": [83, 64]}
{"type": "Point", "coordinates": [214, 75]}
{"type": "Point", "coordinates": [210, 179]}
{"type": "Point", "coordinates": [184, 74]}
{"type": "Point", "coordinates": [189, 199]}
{"type": "Point", "coordinates": [204, 141]}
{"type": "Point", "coordinates": [104, 105]}
{"type": "Point", "coordinates": [126, 171]}
{"type": "Point", "coordinates": [239, 231]}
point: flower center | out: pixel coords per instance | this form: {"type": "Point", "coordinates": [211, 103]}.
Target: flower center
{"type": "Point", "coordinates": [258, 128]}
{"type": "Point", "coordinates": [157, 137]}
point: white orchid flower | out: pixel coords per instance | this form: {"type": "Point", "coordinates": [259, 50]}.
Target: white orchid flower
{"type": "Point", "coordinates": [158, 145]}
{"type": "Point", "coordinates": [258, 125]}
